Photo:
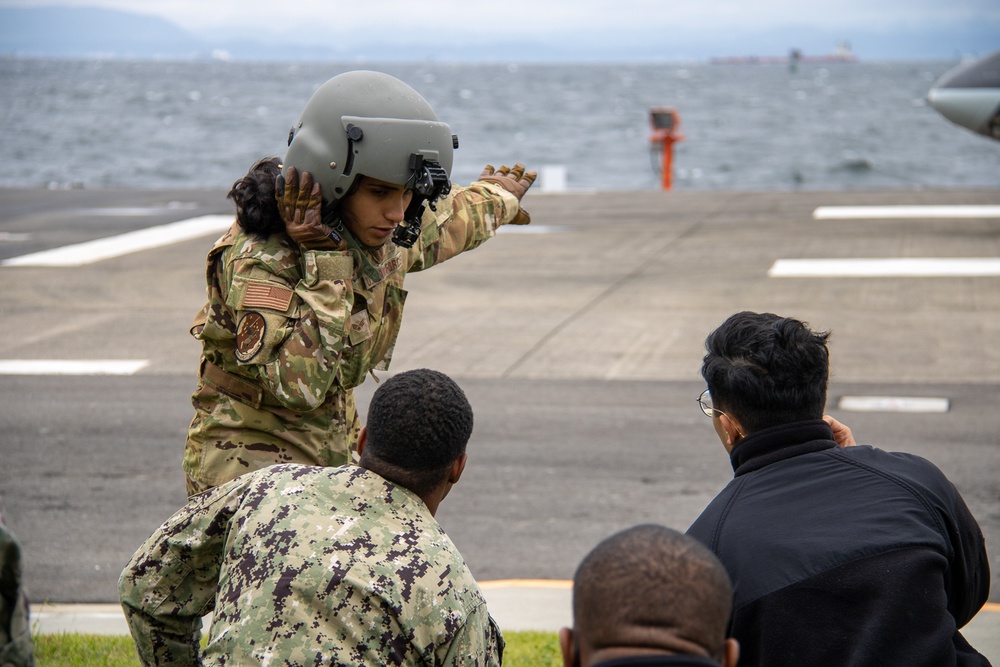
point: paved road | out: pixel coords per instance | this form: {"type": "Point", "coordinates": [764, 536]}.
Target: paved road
{"type": "Point", "coordinates": [578, 340]}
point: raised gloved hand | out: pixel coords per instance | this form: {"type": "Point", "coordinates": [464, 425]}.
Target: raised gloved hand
{"type": "Point", "coordinates": [300, 203]}
{"type": "Point", "coordinates": [514, 180]}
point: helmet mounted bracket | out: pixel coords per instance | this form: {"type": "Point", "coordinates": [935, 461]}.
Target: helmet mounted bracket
{"type": "Point", "coordinates": [429, 181]}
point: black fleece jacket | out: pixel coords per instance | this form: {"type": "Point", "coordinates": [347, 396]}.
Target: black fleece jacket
{"type": "Point", "coordinates": [845, 556]}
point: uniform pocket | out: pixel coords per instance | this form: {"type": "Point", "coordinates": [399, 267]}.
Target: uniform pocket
{"type": "Point", "coordinates": [392, 320]}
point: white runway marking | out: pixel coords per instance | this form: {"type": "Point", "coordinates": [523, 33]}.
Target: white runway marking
{"type": "Point", "coordinates": [98, 250]}
{"type": "Point", "coordinates": [908, 267]}
{"type": "Point", "coordinates": [903, 212]}
{"type": "Point", "coordinates": [71, 366]}
{"type": "Point", "coordinates": [893, 404]}
{"type": "Point", "coordinates": [137, 211]}
{"type": "Point", "coordinates": [14, 237]}
{"type": "Point", "coordinates": [530, 229]}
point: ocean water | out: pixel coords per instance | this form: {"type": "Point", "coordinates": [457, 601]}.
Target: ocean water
{"type": "Point", "coordinates": [866, 125]}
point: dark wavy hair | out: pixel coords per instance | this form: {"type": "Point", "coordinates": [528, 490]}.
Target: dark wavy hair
{"type": "Point", "coordinates": [767, 370]}
{"type": "Point", "coordinates": [256, 201]}
{"type": "Point", "coordinates": [254, 196]}
{"type": "Point", "coordinates": [419, 423]}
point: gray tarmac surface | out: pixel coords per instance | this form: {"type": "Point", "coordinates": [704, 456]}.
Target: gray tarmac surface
{"type": "Point", "coordinates": [578, 340]}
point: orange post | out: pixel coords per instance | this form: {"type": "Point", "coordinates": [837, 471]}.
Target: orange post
{"type": "Point", "coordinates": [666, 125]}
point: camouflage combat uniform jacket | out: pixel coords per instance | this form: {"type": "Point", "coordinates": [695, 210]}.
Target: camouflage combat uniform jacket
{"type": "Point", "coordinates": [306, 566]}
{"type": "Point", "coordinates": [16, 649]}
{"type": "Point", "coordinates": [287, 335]}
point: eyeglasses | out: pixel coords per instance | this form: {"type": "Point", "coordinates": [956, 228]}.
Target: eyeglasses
{"type": "Point", "coordinates": [705, 403]}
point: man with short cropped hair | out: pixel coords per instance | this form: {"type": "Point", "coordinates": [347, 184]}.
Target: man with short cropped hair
{"type": "Point", "coordinates": [306, 565]}
{"type": "Point", "coordinates": [839, 555]}
{"type": "Point", "coordinates": [649, 596]}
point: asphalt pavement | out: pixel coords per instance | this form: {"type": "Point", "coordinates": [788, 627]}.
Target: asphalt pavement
{"type": "Point", "coordinates": [578, 340]}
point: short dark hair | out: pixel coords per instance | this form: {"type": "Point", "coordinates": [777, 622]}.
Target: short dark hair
{"type": "Point", "coordinates": [767, 370]}
{"type": "Point", "coordinates": [419, 423]}
{"type": "Point", "coordinates": [648, 585]}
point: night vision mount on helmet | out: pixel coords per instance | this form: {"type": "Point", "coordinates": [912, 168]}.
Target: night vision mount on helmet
{"type": "Point", "coordinates": [372, 124]}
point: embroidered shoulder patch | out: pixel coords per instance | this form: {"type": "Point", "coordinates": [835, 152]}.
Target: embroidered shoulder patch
{"type": "Point", "coordinates": [250, 336]}
{"type": "Point", "coordinates": [266, 295]}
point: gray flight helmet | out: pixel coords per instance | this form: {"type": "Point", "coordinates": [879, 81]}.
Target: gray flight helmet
{"type": "Point", "coordinates": [369, 123]}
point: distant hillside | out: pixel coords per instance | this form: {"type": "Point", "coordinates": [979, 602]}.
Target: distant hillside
{"type": "Point", "coordinates": [67, 31]}
{"type": "Point", "coordinates": [86, 32]}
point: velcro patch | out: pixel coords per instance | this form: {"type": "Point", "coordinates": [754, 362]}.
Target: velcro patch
{"type": "Point", "coordinates": [266, 295]}
{"type": "Point", "coordinates": [250, 336]}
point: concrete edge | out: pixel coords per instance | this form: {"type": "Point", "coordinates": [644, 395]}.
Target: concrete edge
{"type": "Point", "coordinates": [516, 604]}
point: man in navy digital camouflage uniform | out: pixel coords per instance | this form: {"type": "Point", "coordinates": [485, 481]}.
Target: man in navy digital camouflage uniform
{"type": "Point", "coordinates": [306, 565]}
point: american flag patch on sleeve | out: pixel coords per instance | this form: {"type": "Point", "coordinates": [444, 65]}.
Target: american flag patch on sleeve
{"type": "Point", "coordinates": [266, 295]}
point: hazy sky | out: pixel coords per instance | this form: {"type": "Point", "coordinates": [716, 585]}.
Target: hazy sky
{"type": "Point", "coordinates": [314, 18]}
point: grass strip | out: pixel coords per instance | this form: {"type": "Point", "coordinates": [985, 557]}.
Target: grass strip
{"type": "Point", "coordinates": [524, 649]}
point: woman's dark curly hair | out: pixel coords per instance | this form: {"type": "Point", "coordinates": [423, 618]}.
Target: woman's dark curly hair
{"type": "Point", "coordinates": [254, 195]}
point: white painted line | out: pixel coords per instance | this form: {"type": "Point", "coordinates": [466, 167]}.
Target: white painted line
{"type": "Point", "coordinates": [904, 212]}
{"type": "Point", "coordinates": [910, 267]}
{"type": "Point", "coordinates": [124, 211]}
{"type": "Point", "coordinates": [893, 404]}
{"type": "Point", "coordinates": [43, 623]}
{"type": "Point", "coordinates": [138, 211]}
{"type": "Point", "coordinates": [98, 250]}
{"type": "Point", "coordinates": [530, 229]}
{"type": "Point", "coordinates": [95, 615]}
{"type": "Point", "coordinates": [71, 366]}
{"type": "Point", "coordinates": [90, 619]}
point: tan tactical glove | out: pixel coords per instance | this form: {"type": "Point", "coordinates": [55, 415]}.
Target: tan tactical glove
{"type": "Point", "coordinates": [514, 180]}
{"type": "Point", "coordinates": [300, 203]}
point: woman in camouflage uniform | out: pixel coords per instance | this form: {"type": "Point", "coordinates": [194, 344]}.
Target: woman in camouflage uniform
{"type": "Point", "coordinates": [305, 290]}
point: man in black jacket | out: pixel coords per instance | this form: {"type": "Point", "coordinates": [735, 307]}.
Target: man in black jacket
{"type": "Point", "coordinates": [839, 555]}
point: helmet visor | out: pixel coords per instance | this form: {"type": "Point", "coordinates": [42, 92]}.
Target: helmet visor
{"type": "Point", "coordinates": [384, 148]}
